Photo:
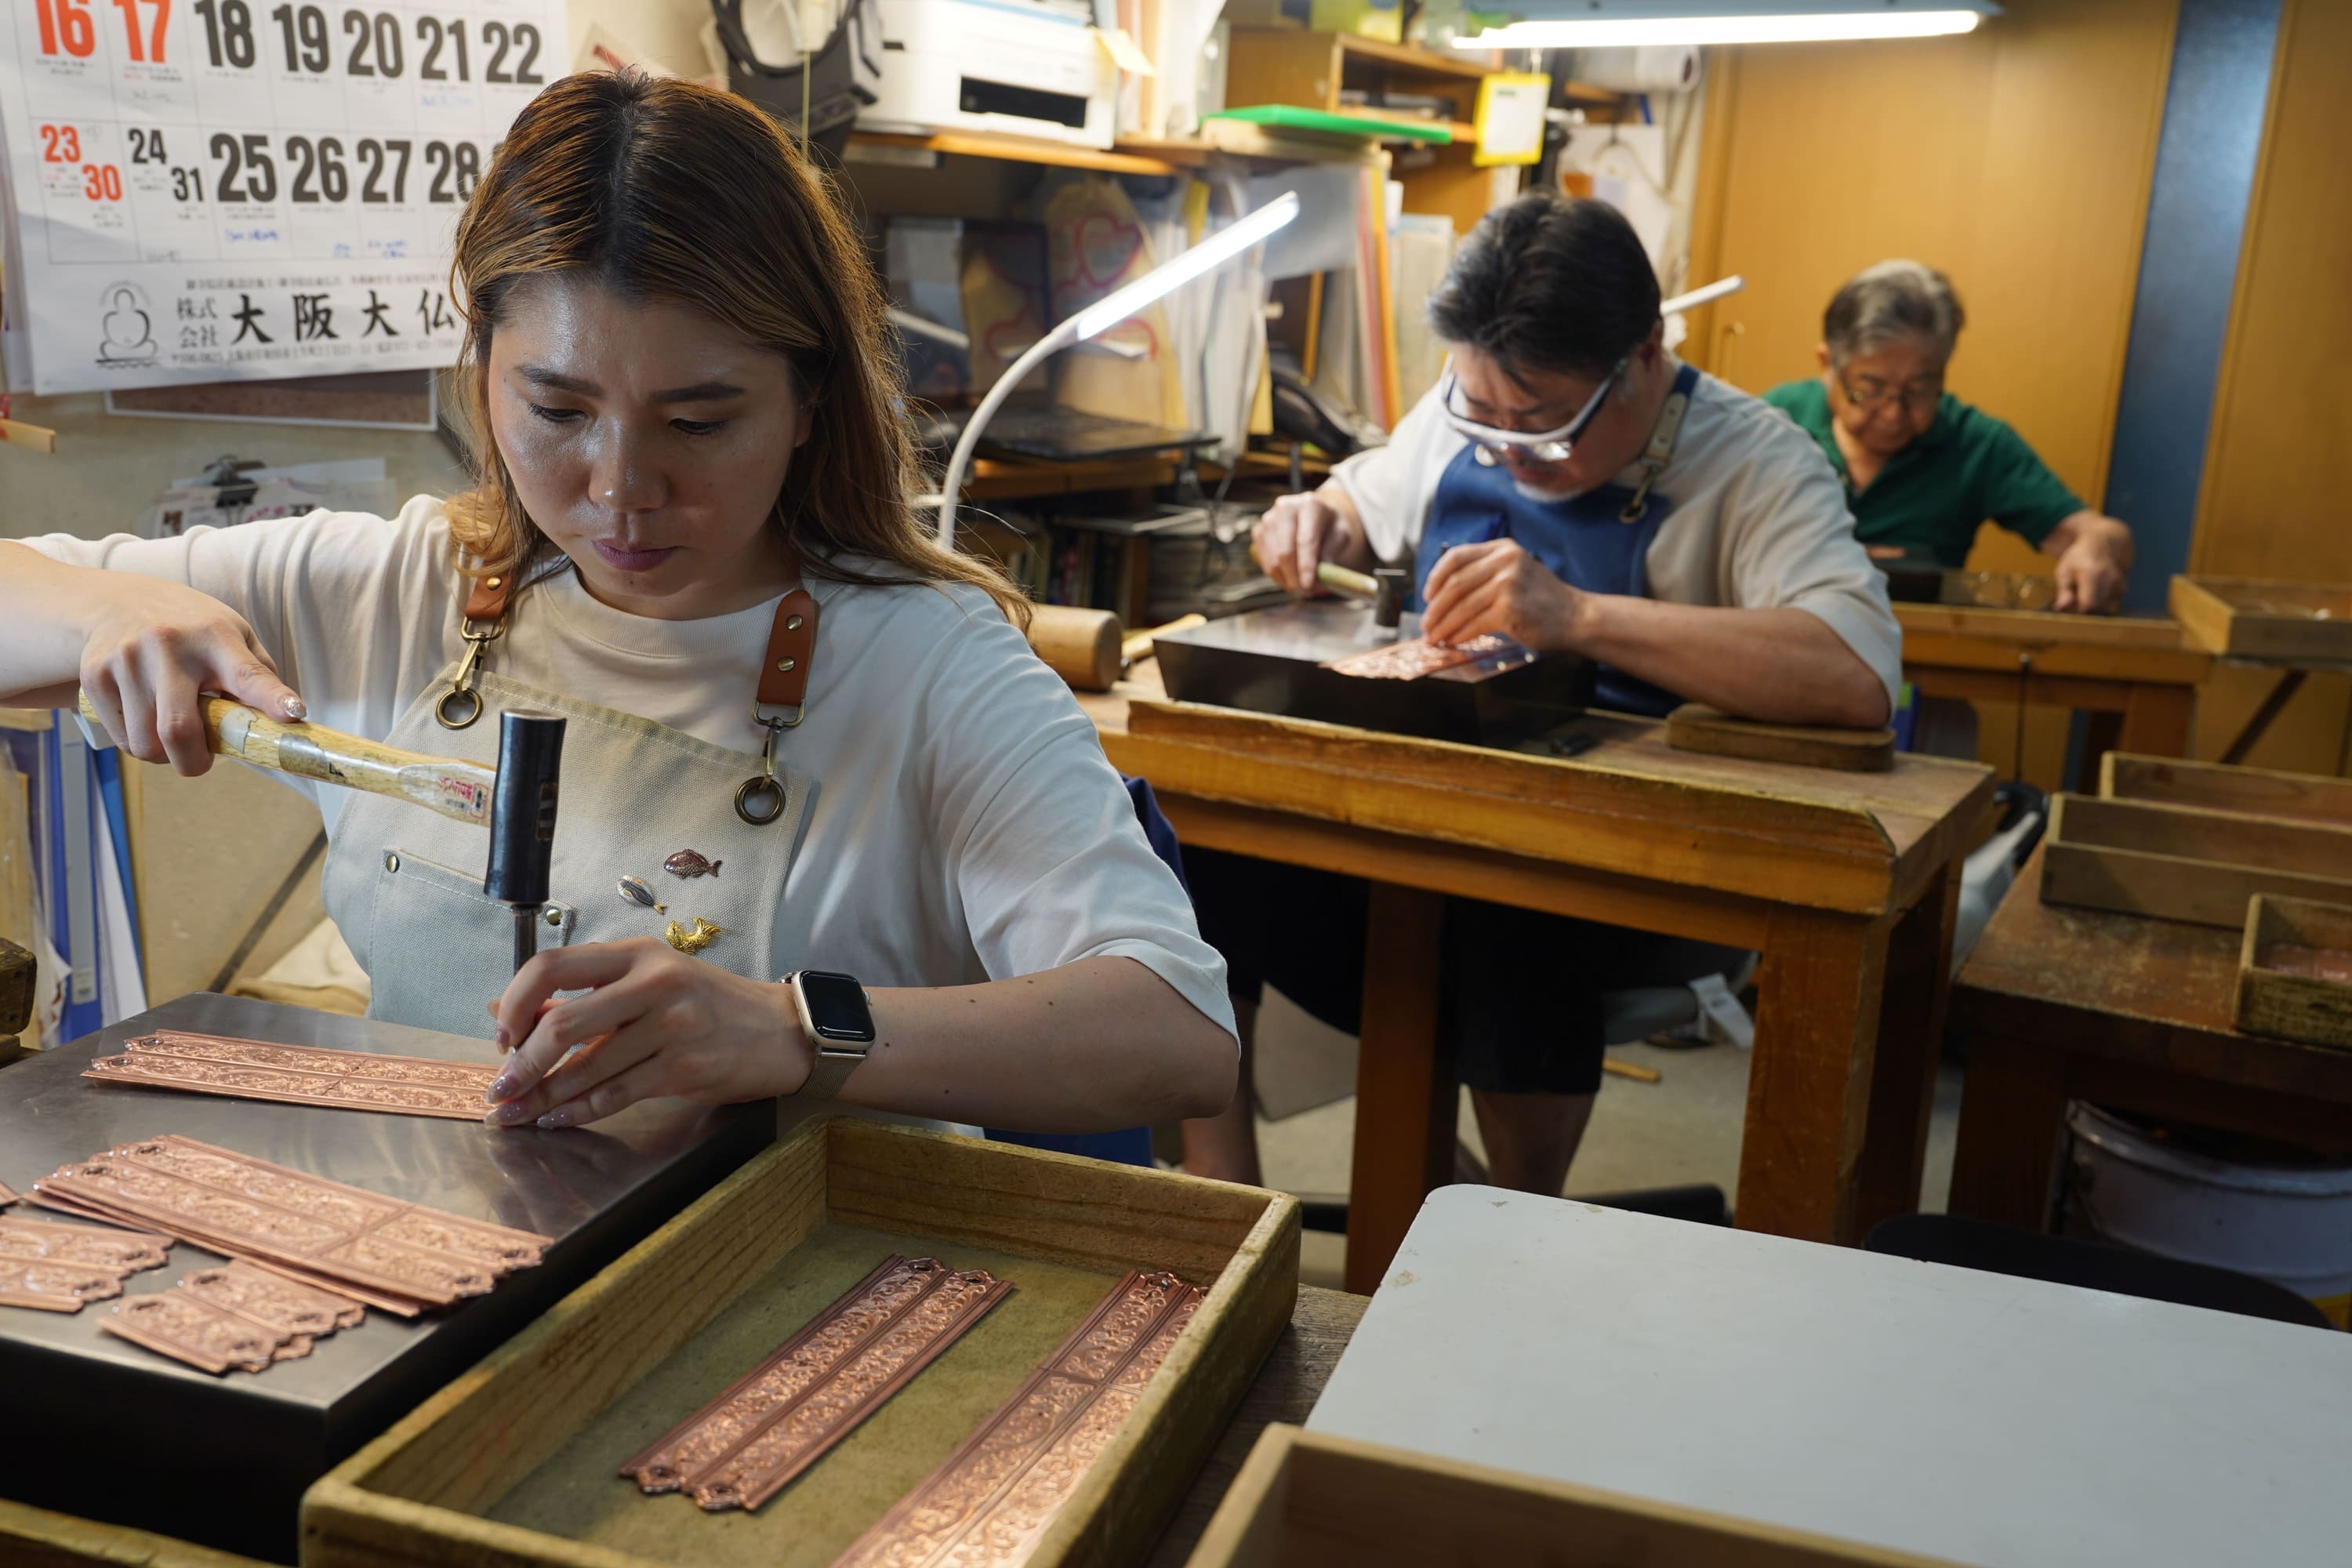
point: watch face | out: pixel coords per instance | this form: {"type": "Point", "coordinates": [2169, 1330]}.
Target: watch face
{"type": "Point", "coordinates": [836, 1005]}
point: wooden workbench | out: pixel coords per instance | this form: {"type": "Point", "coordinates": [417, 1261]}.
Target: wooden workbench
{"type": "Point", "coordinates": [2063, 1004]}
{"type": "Point", "coordinates": [1845, 882]}
{"type": "Point", "coordinates": [2141, 671]}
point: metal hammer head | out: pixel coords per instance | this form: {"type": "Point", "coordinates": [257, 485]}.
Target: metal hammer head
{"type": "Point", "coordinates": [1387, 596]}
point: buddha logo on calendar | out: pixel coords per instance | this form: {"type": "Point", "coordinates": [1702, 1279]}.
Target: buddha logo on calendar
{"type": "Point", "coordinates": [126, 326]}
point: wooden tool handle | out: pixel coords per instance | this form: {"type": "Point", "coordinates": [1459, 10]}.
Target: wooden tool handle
{"type": "Point", "coordinates": [1346, 580]}
{"type": "Point", "coordinates": [1079, 646]}
{"type": "Point", "coordinates": [456, 789]}
{"type": "Point", "coordinates": [1137, 645]}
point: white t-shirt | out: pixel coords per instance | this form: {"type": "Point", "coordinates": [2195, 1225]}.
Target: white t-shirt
{"type": "Point", "coordinates": [966, 824]}
{"type": "Point", "coordinates": [1760, 519]}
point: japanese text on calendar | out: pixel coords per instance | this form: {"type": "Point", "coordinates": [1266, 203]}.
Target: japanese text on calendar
{"type": "Point", "coordinates": [211, 189]}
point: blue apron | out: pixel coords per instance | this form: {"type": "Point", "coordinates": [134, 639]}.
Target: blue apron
{"type": "Point", "coordinates": [1598, 542]}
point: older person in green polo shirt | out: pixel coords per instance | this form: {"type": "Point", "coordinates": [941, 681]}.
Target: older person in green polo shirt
{"type": "Point", "coordinates": [1923, 468]}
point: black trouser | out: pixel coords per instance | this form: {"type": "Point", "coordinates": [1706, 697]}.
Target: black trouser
{"type": "Point", "coordinates": [1520, 998]}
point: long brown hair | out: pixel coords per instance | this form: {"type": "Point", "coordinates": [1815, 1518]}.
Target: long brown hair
{"type": "Point", "coordinates": [663, 189]}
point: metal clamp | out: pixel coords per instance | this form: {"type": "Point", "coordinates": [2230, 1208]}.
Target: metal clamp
{"type": "Point", "coordinates": [765, 785]}
{"type": "Point", "coordinates": [462, 688]}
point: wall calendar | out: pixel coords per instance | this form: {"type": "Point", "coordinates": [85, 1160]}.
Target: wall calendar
{"type": "Point", "coordinates": [216, 190]}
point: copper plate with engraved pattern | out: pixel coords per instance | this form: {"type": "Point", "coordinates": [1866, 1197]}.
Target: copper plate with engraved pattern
{"type": "Point", "coordinates": [787, 1413]}
{"type": "Point", "coordinates": [119, 1252]}
{"type": "Point", "coordinates": [54, 1287]}
{"type": "Point", "coordinates": [273, 1300]}
{"type": "Point", "coordinates": [988, 1502]}
{"type": "Point", "coordinates": [210, 1339]}
{"type": "Point", "coordinates": [299, 1075]}
{"type": "Point", "coordinates": [327, 1232]}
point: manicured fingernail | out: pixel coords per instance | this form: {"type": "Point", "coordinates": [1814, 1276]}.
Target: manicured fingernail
{"type": "Point", "coordinates": [563, 1117]}
{"type": "Point", "coordinates": [499, 1037]}
{"type": "Point", "coordinates": [511, 1114]}
{"type": "Point", "coordinates": [502, 1087]}
{"type": "Point", "coordinates": [293, 707]}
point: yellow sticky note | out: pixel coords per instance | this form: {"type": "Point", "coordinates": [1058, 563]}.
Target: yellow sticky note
{"type": "Point", "coordinates": [1510, 118]}
{"type": "Point", "coordinates": [1125, 52]}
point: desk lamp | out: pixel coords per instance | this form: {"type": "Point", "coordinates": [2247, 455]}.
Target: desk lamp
{"type": "Point", "coordinates": [1108, 311]}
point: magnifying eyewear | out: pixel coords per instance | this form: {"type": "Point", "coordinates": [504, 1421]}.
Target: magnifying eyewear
{"type": "Point", "coordinates": [1490, 445]}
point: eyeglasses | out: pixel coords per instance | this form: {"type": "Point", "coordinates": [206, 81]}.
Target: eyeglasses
{"type": "Point", "coordinates": [1490, 445]}
{"type": "Point", "coordinates": [1870, 392]}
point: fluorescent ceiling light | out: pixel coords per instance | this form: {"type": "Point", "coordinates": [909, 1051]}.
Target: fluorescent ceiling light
{"type": "Point", "coordinates": [1784, 25]}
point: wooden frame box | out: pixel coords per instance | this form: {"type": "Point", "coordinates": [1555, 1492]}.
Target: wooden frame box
{"type": "Point", "coordinates": [1304, 1500]}
{"type": "Point", "coordinates": [2253, 618]}
{"type": "Point", "coordinates": [2177, 863]}
{"type": "Point", "coordinates": [2293, 1006]}
{"type": "Point", "coordinates": [515, 1462]}
{"type": "Point", "coordinates": [36, 1538]}
{"type": "Point", "coordinates": [2218, 786]}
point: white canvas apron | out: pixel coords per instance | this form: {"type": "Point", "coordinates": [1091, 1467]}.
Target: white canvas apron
{"type": "Point", "coordinates": [404, 885]}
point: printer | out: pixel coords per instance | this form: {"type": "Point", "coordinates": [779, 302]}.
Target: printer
{"type": "Point", "coordinates": [1022, 67]}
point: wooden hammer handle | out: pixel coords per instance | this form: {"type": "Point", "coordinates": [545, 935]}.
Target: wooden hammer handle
{"type": "Point", "coordinates": [456, 789]}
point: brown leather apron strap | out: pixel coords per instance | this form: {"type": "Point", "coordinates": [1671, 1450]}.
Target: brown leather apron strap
{"type": "Point", "coordinates": [791, 644]}
{"type": "Point", "coordinates": [488, 600]}
{"type": "Point", "coordinates": [485, 607]}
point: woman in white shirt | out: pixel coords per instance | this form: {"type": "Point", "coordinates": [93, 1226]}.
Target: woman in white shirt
{"type": "Point", "coordinates": [693, 499]}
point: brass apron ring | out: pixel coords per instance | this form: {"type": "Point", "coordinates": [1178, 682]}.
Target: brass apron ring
{"type": "Point", "coordinates": [765, 785]}
{"type": "Point", "coordinates": [463, 686]}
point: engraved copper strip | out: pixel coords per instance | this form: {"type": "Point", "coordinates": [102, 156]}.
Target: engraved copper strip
{"type": "Point", "coordinates": [399, 1306]}
{"type": "Point", "coordinates": [175, 1324]}
{"type": "Point", "coordinates": [7, 1197]}
{"type": "Point", "coordinates": [776, 1420]}
{"type": "Point", "coordinates": [273, 1300]}
{"type": "Point", "coordinates": [119, 1252]}
{"type": "Point", "coordinates": [54, 1287]}
{"type": "Point", "coordinates": [141, 1070]}
{"type": "Point", "coordinates": [989, 1500]}
{"type": "Point", "coordinates": [1412, 659]}
{"type": "Point", "coordinates": [424, 1070]}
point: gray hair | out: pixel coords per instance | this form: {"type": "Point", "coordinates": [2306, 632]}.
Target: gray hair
{"type": "Point", "coordinates": [1892, 299]}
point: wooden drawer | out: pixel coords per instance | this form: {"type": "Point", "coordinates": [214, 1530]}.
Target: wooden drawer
{"type": "Point", "coordinates": [2219, 786]}
{"type": "Point", "coordinates": [517, 1461]}
{"type": "Point", "coordinates": [1305, 1500]}
{"type": "Point", "coordinates": [2252, 618]}
{"type": "Point", "coordinates": [2290, 1006]}
{"type": "Point", "coordinates": [36, 1538]}
{"type": "Point", "coordinates": [2176, 863]}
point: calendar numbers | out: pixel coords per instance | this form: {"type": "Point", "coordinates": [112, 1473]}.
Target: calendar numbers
{"type": "Point", "coordinates": [228, 31]}
{"type": "Point", "coordinates": [66, 28]}
{"type": "Point", "coordinates": [60, 144]}
{"type": "Point", "coordinates": [433, 33]}
{"type": "Point", "coordinates": [387, 171]}
{"type": "Point", "coordinates": [147, 146]}
{"type": "Point", "coordinates": [523, 39]}
{"type": "Point", "coordinates": [303, 31]}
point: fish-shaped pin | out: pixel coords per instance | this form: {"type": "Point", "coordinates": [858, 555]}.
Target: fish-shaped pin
{"type": "Point", "coordinates": [688, 863]}
{"type": "Point", "coordinates": [633, 888]}
{"type": "Point", "coordinates": [703, 934]}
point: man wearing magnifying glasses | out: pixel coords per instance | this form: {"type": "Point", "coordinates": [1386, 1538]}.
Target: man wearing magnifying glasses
{"type": "Point", "coordinates": [1569, 482]}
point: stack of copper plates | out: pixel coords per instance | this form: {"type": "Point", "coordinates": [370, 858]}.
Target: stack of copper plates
{"type": "Point", "coordinates": [236, 1318]}
{"type": "Point", "coordinates": [787, 1413]}
{"type": "Point", "coordinates": [398, 1257]}
{"type": "Point", "coordinates": [991, 1500]}
{"type": "Point", "coordinates": [300, 1075]}
{"type": "Point", "coordinates": [57, 1267]}
{"type": "Point", "coordinates": [1417, 656]}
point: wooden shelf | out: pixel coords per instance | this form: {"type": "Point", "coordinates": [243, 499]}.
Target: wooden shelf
{"type": "Point", "coordinates": [1411, 57]}
{"type": "Point", "coordinates": [1019, 150]}
{"type": "Point", "coordinates": [996, 480]}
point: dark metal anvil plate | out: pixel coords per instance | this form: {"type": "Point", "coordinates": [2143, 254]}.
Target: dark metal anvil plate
{"type": "Point", "coordinates": [99, 1428]}
{"type": "Point", "coordinates": [1271, 661]}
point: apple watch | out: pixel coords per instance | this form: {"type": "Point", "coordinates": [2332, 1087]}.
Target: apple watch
{"type": "Point", "coordinates": [839, 1023]}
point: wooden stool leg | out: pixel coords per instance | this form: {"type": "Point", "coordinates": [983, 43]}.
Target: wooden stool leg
{"type": "Point", "coordinates": [1405, 1093]}
{"type": "Point", "coordinates": [1910, 1043]}
{"type": "Point", "coordinates": [2010, 1112]}
{"type": "Point", "coordinates": [1809, 1092]}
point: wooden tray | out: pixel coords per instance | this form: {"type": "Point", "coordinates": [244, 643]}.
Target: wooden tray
{"type": "Point", "coordinates": [1693, 727]}
{"type": "Point", "coordinates": [36, 1538]}
{"type": "Point", "coordinates": [2217, 786]}
{"type": "Point", "coordinates": [515, 1462]}
{"type": "Point", "coordinates": [2293, 1006]}
{"type": "Point", "coordinates": [1304, 1500]}
{"type": "Point", "coordinates": [2177, 863]}
{"type": "Point", "coordinates": [2252, 617]}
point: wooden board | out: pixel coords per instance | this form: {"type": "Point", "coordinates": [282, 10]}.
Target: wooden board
{"type": "Point", "coordinates": [1308, 1498]}
{"type": "Point", "coordinates": [2217, 786]}
{"type": "Point", "coordinates": [2252, 617]}
{"type": "Point", "coordinates": [36, 1538]}
{"type": "Point", "coordinates": [1694, 727]}
{"type": "Point", "coordinates": [2293, 1006]}
{"type": "Point", "coordinates": [426, 1492]}
{"type": "Point", "coordinates": [2177, 863]}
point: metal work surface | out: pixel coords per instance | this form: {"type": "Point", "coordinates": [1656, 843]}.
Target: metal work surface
{"type": "Point", "coordinates": [223, 1460]}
